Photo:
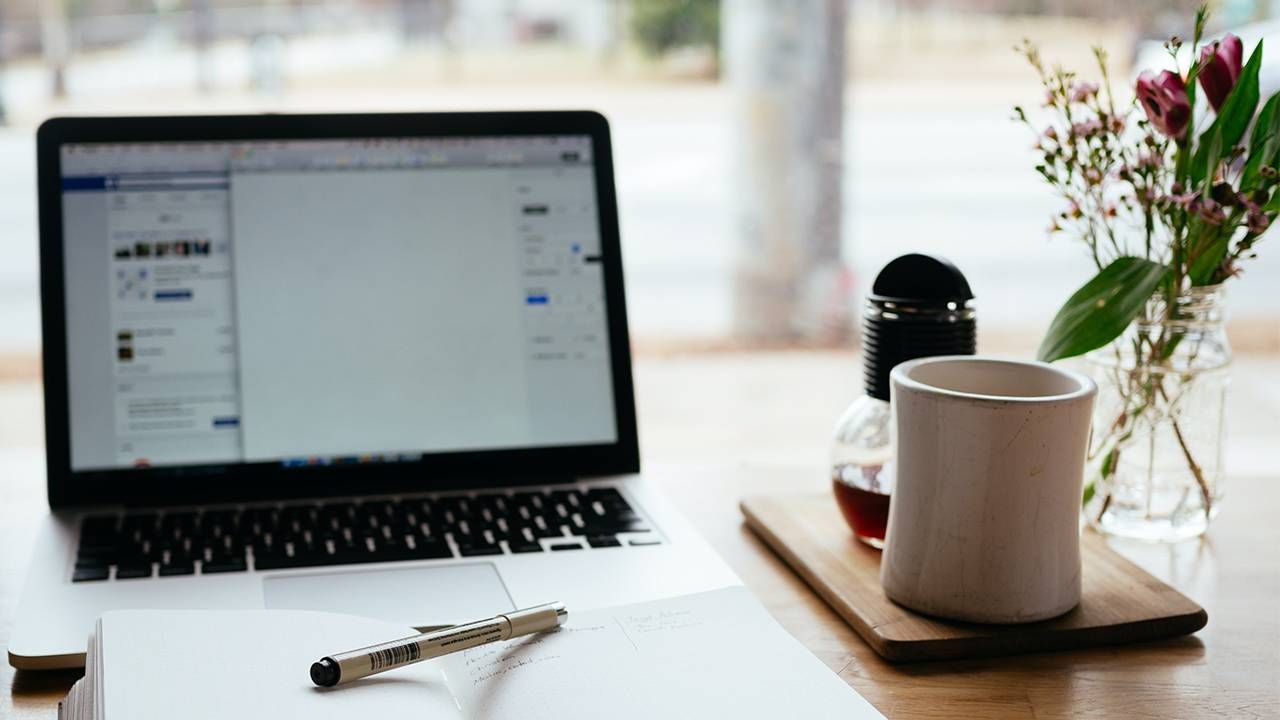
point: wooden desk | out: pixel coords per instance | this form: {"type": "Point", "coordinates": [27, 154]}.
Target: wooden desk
{"type": "Point", "coordinates": [1231, 668]}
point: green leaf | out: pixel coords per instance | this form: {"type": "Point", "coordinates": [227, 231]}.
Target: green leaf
{"type": "Point", "coordinates": [1233, 119]}
{"type": "Point", "coordinates": [1183, 157]}
{"type": "Point", "coordinates": [1264, 143]}
{"type": "Point", "coordinates": [1206, 263]}
{"type": "Point", "coordinates": [1214, 156]}
{"type": "Point", "coordinates": [1098, 312]}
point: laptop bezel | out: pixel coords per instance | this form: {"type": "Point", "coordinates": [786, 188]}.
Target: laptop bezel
{"type": "Point", "coordinates": [257, 481]}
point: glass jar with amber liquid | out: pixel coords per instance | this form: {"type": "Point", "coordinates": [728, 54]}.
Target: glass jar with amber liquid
{"type": "Point", "coordinates": [919, 306]}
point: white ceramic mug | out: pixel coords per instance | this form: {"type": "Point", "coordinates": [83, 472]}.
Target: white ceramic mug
{"type": "Point", "coordinates": [984, 524]}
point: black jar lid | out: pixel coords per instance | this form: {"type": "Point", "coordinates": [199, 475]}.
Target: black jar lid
{"type": "Point", "coordinates": [919, 306]}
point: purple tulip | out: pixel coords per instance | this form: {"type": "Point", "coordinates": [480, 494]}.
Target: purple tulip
{"type": "Point", "coordinates": [1220, 68]}
{"type": "Point", "coordinates": [1164, 98]}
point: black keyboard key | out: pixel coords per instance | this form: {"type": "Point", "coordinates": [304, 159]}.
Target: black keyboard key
{"type": "Point", "coordinates": [565, 546]}
{"type": "Point", "coordinates": [609, 499]}
{"type": "Point", "coordinates": [221, 565]}
{"type": "Point", "coordinates": [225, 545]}
{"type": "Point", "coordinates": [428, 550]}
{"type": "Point", "coordinates": [523, 547]}
{"type": "Point", "coordinates": [256, 521]}
{"type": "Point", "coordinates": [604, 526]}
{"type": "Point", "coordinates": [543, 528]}
{"type": "Point", "coordinates": [90, 573]}
{"type": "Point", "coordinates": [175, 555]}
{"type": "Point", "coordinates": [567, 499]}
{"type": "Point", "coordinates": [177, 568]}
{"type": "Point", "coordinates": [534, 501]}
{"type": "Point", "coordinates": [133, 570]}
{"type": "Point", "coordinates": [473, 549]}
{"type": "Point", "coordinates": [343, 557]}
{"type": "Point", "coordinates": [83, 560]}
{"type": "Point", "coordinates": [492, 507]}
{"type": "Point", "coordinates": [97, 556]}
{"type": "Point", "coordinates": [602, 541]}
{"type": "Point", "coordinates": [282, 561]}
{"type": "Point", "coordinates": [643, 542]}
{"type": "Point", "coordinates": [458, 507]}
{"type": "Point", "coordinates": [133, 558]}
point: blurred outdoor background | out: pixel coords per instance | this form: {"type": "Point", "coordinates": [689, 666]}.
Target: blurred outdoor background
{"type": "Point", "coordinates": [771, 156]}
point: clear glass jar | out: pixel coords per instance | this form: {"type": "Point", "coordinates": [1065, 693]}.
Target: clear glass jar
{"type": "Point", "coordinates": [1156, 454]}
{"type": "Point", "coordinates": [862, 468]}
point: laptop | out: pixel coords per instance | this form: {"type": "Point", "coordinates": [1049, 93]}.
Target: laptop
{"type": "Point", "coordinates": [370, 364]}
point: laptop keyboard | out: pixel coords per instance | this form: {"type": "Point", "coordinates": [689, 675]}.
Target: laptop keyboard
{"type": "Point", "coordinates": [186, 542]}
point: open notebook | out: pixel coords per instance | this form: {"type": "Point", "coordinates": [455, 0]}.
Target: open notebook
{"type": "Point", "coordinates": [715, 654]}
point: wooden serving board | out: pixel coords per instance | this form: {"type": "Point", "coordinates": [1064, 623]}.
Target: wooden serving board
{"type": "Point", "coordinates": [1121, 602]}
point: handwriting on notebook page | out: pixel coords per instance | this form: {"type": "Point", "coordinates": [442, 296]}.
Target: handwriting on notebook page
{"type": "Point", "coordinates": [531, 678]}
{"type": "Point", "coordinates": [490, 662]}
{"type": "Point", "coordinates": [660, 622]}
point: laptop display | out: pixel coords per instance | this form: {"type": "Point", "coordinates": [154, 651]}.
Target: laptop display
{"type": "Point", "coordinates": [332, 301]}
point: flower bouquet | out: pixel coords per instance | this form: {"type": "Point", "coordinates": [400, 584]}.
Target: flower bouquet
{"type": "Point", "coordinates": [1168, 212]}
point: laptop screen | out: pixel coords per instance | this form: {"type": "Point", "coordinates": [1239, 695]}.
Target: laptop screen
{"type": "Point", "coordinates": [318, 302]}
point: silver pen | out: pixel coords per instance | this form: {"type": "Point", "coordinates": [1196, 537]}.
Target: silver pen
{"type": "Point", "coordinates": [355, 664]}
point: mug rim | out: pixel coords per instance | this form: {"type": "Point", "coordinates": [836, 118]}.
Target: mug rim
{"type": "Point", "coordinates": [1085, 386]}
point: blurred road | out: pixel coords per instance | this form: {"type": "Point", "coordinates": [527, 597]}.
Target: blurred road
{"type": "Point", "coordinates": [936, 168]}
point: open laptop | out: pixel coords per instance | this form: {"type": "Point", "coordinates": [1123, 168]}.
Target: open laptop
{"type": "Point", "coordinates": [374, 364]}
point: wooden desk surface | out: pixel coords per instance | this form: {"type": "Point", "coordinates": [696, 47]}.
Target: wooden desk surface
{"type": "Point", "coordinates": [1231, 668]}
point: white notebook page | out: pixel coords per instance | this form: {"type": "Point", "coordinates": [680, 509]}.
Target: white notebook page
{"type": "Point", "coordinates": [715, 654]}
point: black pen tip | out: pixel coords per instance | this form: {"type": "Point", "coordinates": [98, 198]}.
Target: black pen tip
{"type": "Point", "coordinates": [325, 672]}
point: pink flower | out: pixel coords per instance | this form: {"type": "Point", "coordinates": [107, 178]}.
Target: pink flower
{"type": "Point", "coordinates": [1258, 223]}
{"type": "Point", "coordinates": [1082, 91]}
{"type": "Point", "coordinates": [1086, 128]}
{"type": "Point", "coordinates": [1220, 68]}
{"type": "Point", "coordinates": [1186, 200]}
{"type": "Point", "coordinates": [1164, 98]}
{"type": "Point", "coordinates": [1210, 211]}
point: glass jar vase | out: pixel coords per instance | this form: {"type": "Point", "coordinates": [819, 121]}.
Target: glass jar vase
{"type": "Point", "coordinates": [1156, 453]}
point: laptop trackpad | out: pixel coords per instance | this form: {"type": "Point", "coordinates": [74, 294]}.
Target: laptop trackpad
{"type": "Point", "coordinates": [418, 597]}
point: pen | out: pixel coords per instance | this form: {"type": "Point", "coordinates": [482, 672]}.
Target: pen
{"type": "Point", "coordinates": [355, 664]}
